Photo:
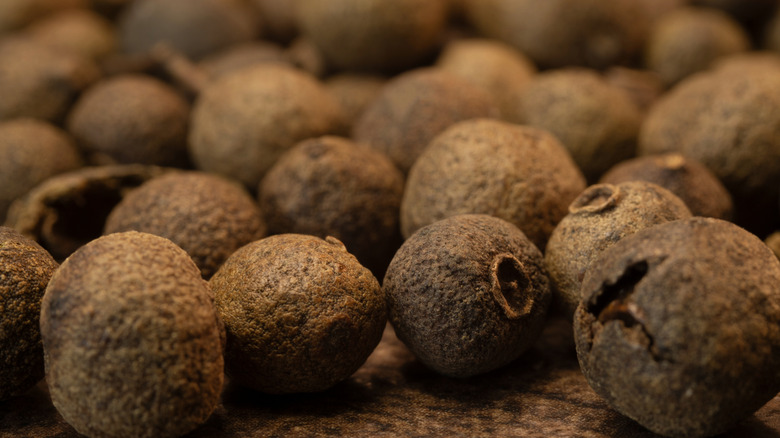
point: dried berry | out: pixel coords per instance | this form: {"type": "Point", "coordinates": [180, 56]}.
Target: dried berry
{"type": "Point", "coordinates": [25, 270]}
{"type": "Point", "coordinates": [131, 339]}
{"type": "Point", "coordinates": [32, 151]}
{"type": "Point", "coordinates": [599, 217]}
{"type": "Point", "coordinates": [355, 92]}
{"type": "Point", "coordinates": [416, 106]}
{"type": "Point", "coordinates": [15, 14]}
{"type": "Point", "coordinates": [701, 191]}
{"type": "Point", "coordinates": [242, 55]}
{"type": "Point", "coordinates": [301, 313]}
{"type": "Point", "coordinates": [132, 119]}
{"type": "Point", "coordinates": [206, 215]}
{"type": "Point", "coordinates": [244, 121]}
{"type": "Point", "coordinates": [679, 326]}
{"type": "Point", "coordinates": [330, 186]}
{"type": "Point", "coordinates": [80, 31]}
{"type": "Point", "coordinates": [518, 173]}
{"type": "Point", "coordinates": [467, 294]}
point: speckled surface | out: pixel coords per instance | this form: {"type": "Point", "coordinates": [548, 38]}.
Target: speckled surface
{"type": "Point", "coordinates": [542, 394]}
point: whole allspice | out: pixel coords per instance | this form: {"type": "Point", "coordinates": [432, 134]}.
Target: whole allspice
{"type": "Point", "coordinates": [518, 173]}
{"type": "Point", "coordinates": [602, 215]}
{"type": "Point", "coordinates": [132, 342]}
{"type": "Point", "coordinates": [467, 294]}
{"type": "Point", "coordinates": [132, 119]}
{"type": "Point", "coordinates": [32, 151]}
{"type": "Point", "coordinates": [81, 31]}
{"type": "Point", "coordinates": [330, 186]}
{"type": "Point", "coordinates": [416, 106]}
{"type": "Point", "coordinates": [355, 92]}
{"type": "Point", "coordinates": [691, 181]}
{"type": "Point", "coordinates": [596, 121]}
{"type": "Point", "coordinates": [375, 35]}
{"type": "Point", "coordinates": [679, 326]}
{"type": "Point", "coordinates": [243, 122]}
{"type": "Point", "coordinates": [301, 313]}
{"type": "Point", "coordinates": [25, 270]}
{"type": "Point", "coordinates": [206, 215]}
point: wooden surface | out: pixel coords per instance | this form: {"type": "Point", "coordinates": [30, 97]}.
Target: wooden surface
{"type": "Point", "coordinates": [542, 394]}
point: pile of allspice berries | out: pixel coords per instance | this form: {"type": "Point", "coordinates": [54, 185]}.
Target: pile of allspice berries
{"type": "Point", "coordinates": [255, 188]}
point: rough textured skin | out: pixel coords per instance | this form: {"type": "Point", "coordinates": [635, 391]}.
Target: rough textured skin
{"type": "Point", "coordinates": [301, 313]}
{"type": "Point", "coordinates": [557, 33]}
{"type": "Point", "coordinates": [25, 270]}
{"type": "Point", "coordinates": [206, 215]}
{"type": "Point", "coordinates": [40, 82]}
{"type": "Point", "coordinates": [242, 55]}
{"type": "Point", "coordinates": [132, 119]}
{"type": "Point", "coordinates": [68, 210]}
{"type": "Point", "coordinates": [467, 294]}
{"type": "Point", "coordinates": [244, 121]}
{"type": "Point", "coordinates": [416, 106]}
{"type": "Point", "coordinates": [32, 151]}
{"type": "Point", "coordinates": [701, 191]}
{"type": "Point", "coordinates": [355, 92]}
{"type": "Point", "coordinates": [518, 173]}
{"type": "Point", "coordinates": [496, 67]}
{"type": "Point", "coordinates": [80, 31]}
{"type": "Point", "coordinates": [679, 327]}
{"type": "Point", "coordinates": [689, 40]}
{"type": "Point", "coordinates": [195, 28]}
{"type": "Point", "coordinates": [597, 122]}
{"type": "Point", "coordinates": [376, 35]}
{"type": "Point", "coordinates": [131, 339]}
{"type": "Point", "coordinates": [599, 217]}
{"type": "Point", "coordinates": [330, 186]}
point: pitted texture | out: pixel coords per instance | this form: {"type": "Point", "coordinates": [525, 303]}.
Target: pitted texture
{"type": "Point", "coordinates": [696, 185]}
{"type": "Point", "coordinates": [378, 35]}
{"type": "Point", "coordinates": [679, 326]}
{"type": "Point", "coordinates": [206, 215]}
{"type": "Point", "coordinates": [132, 119]}
{"type": "Point", "coordinates": [32, 151]}
{"type": "Point", "coordinates": [518, 173]}
{"type": "Point", "coordinates": [467, 294]}
{"type": "Point", "coordinates": [244, 121]}
{"type": "Point", "coordinates": [301, 313]}
{"type": "Point", "coordinates": [25, 270]}
{"type": "Point", "coordinates": [594, 120]}
{"type": "Point", "coordinates": [330, 186]}
{"type": "Point", "coordinates": [599, 217]}
{"type": "Point", "coordinates": [416, 106]}
{"type": "Point", "coordinates": [131, 339]}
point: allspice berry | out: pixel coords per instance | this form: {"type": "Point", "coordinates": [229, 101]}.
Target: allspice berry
{"type": "Point", "coordinates": [679, 326]}
{"type": "Point", "coordinates": [25, 270]}
{"type": "Point", "coordinates": [330, 186]}
{"type": "Point", "coordinates": [467, 294]}
{"type": "Point", "coordinates": [518, 173]}
{"type": "Point", "coordinates": [689, 40]}
{"type": "Point", "coordinates": [243, 122]}
{"type": "Point", "coordinates": [599, 217]}
{"type": "Point", "coordinates": [238, 56]}
{"type": "Point", "coordinates": [206, 215]}
{"type": "Point", "coordinates": [355, 92]}
{"type": "Point", "coordinates": [696, 185]}
{"type": "Point", "coordinates": [301, 313]}
{"type": "Point", "coordinates": [416, 106]}
{"type": "Point", "coordinates": [132, 342]}
{"type": "Point", "coordinates": [373, 35]}
{"type": "Point", "coordinates": [80, 31]}
{"type": "Point", "coordinates": [15, 14]}
{"type": "Point", "coordinates": [32, 151]}
{"type": "Point", "coordinates": [596, 121]}
{"type": "Point", "coordinates": [132, 119]}
{"type": "Point", "coordinates": [195, 28]}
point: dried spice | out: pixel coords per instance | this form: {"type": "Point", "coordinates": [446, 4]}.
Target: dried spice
{"type": "Point", "coordinates": [330, 186]}
{"type": "Point", "coordinates": [467, 294]}
{"type": "Point", "coordinates": [25, 270]}
{"type": "Point", "coordinates": [518, 173]}
{"type": "Point", "coordinates": [679, 326]}
{"type": "Point", "coordinates": [355, 92]}
{"type": "Point", "coordinates": [242, 55]}
{"type": "Point", "coordinates": [601, 216]}
{"type": "Point", "coordinates": [696, 185]}
{"type": "Point", "coordinates": [301, 313]}
{"type": "Point", "coordinates": [131, 339]}
{"type": "Point", "coordinates": [206, 215]}
{"type": "Point", "coordinates": [80, 31]}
